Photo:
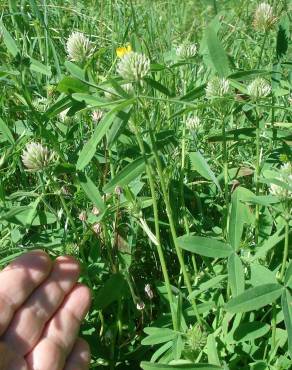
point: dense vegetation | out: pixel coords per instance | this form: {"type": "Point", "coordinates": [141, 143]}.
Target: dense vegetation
{"type": "Point", "coordinates": [152, 139]}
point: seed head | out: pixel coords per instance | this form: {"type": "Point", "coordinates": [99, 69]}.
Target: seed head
{"type": "Point", "coordinates": [149, 291]}
{"type": "Point", "coordinates": [133, 66]}
{"type": "Point", "coordinates": [264, 18]}
{"type": "Point", "coordinates": [96, 228]}
{"type": "Point", "coordinates": [196, 338]}
{"type": "Point", "coordinates": [217, 87]}
{"type": "Point", "coordinates": [258, 89]}
{"type": "Point", "coordinates": [96, 115]}
{"type": "Point", "coordinates": [193, 122]}
{"type": "Point", "coordinates": [285, 176]}
{"type": "Point", "coordinates": [186, 50]}
{"type": "Point", "coordinates": [37, 157]}
{"type": "Point", "coordinates": [78, 47]}
{"type": "Point", "coordinates": [82, 216]}
{"type": "Point", "coordinates": [95, 211]}
{"type": "Point", "coordinates": [140, 306]}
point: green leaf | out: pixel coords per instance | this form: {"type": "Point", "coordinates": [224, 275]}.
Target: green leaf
{"type": "Point", "coordinates": [89, 148]}
{"type": "Point", "coordinates": [267, 245]}
{"type": "Point", "coordinates": [129, 173]}
{"type": "Point", "coordinates": [152, 366]}
{"type": "Point", "coordinates": [158, 335]}
{"type": "Point", "coordinates": [211, 283]}
{"type": "Point", "coordinates": [207, 247]}
{"type": "Point", "coordinates": [217, 53]}
{"type": "Point", "coordinates": [75, 70]}
{"type": "Point", "coordinates": [199, 164]}
{"type": "Point", "coordinates": [23, 216]}
{"type": "Point", "coordinates": [283, 36]}
{"type": "Point", "coordinates": [254, 298]}
{"type": "Point", "coordinates": [235, 274]}
{"type": "Point", "coordinates": [91, 191]}
{"type": "Point", "coordinates": [39, 67]}
{"type": "Point", "coordinates": [240, 215]}
{"type": "Point", "coordinates": [112, 290]}
{"type": "Point", "coordinates": [250, 331]}
{"type": "Point", "coordinates": [213, 357]}
{"type": "Point", "coordinates": [158, 86]}
{"type": "Point", "coordinates": [287, 310]}
{"type": "Point", "coordinates": [6, 132]}
{"type": "Point", "coordinates": [71, 85]}
{"type": "Point", "coordinates": [260, 275]}
{"type": "Point", "coordinates": [8, 40]}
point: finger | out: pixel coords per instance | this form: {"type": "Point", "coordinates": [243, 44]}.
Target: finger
{"type": "Point", "coordinates": [79, 358]}
{"type": "Point", "coordinates": [61, 331]}
{"type": "Point", "coordinates": [29, 321]}
{"type": "Point", "coordinates": [10, 360]}
{"type": "Point", "coordinates": [18, 280]}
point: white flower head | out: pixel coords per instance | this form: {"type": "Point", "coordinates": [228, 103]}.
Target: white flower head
{"type": "Point", "coordinates": [37, 157]}
{"type": "Point", "coordinates": [193, 122]}
{"type": "Point", "coordinates": [63, 115]}
{"type": "Point", "coordinates": [133, 66]}
{"type": "Point", "coordinates": [140, 305]}
{"type": "Point", "coordinates": [78, 47]}
{"type": "Point", "coordinates": [96, 115]}
{"type": "Point", "coordinates": [217, 88]}
{"type": "Point", "coordinates": [186, 50]}
{"type": "Point", "coordinates": [264, 18]}
{"type": "Point", "coordinates": [285, 176]}
{"type": "Point", "coordinates": [258, 89]}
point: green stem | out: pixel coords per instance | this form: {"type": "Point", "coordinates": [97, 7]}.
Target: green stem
{"type": "Point", "coordinates": [262, 50]}
{"type": "Point", "coordinates": [225, 172]}
{"type": "Point", "coordinates": [157, 231]}
{"type": "Point", "coordinates": [257, 175]}
{"type": "Point", "coordinates": [172, 225]}
{"type": "Point", "coordinates": [286, 248]}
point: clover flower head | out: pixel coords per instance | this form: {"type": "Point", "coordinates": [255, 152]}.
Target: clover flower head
{"type": "Point", "coordinates": [186, 50]}
{"type": "Point", "coordinates": [217, 87]}
{"type": "Point", "coordinates": [258, 89]}
{"type": "Point", "coordinates": [133, 66]}
{"type": "Point", "coordinates": [96, 115]}
{"type": "Point", "coordinates": [37, 157]}
{"type": "Point", "coordinates": [193, 122]}
{"type": "Point", "coordinates": [196, 338]}
{"type": "Point", "coordinates": [78, 47]}
{"type": "Point", "coordinates": [264, 17]}
{"type": "Point", "coordinates": [285, 176]}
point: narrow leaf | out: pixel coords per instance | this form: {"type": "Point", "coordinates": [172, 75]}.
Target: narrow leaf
{"type": "Point", "coordinates": [126, 175]}
{"type": "Point", "coordinates": [287, 310]}
{"type": "Point", "coordinates": [217, 53]}
{"type": "Point", "coordinates": [235, 274]}
{"type": "Point", "coordinates": [207, 247]}
{"type": "Point", "coordinates": [254, 298]}
{"type": "Point", "coordinates": [91, 191]}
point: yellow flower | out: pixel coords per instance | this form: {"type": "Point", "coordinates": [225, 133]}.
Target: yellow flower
{"type": "Point", "coordinates": [123, 50]}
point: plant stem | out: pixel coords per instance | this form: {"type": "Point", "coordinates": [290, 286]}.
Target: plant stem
{"type": "Point", "coordinates": [262, 50]}
{"type": "Point", "coordinates": [257, 175]}
{"type": "Point", "coordinates": [157, 231]}
{"type": "Point", "coordinates": [172, 224]}
{"type": "Point", "coordinates": [286, 248]}
{"type": "Point", "coordinates": [225, 172]}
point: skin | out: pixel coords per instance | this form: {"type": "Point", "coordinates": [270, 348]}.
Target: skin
{"type": "Point", "coordinates": [41, 308]}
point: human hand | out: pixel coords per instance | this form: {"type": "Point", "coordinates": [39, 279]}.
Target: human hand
{"type": "Point", "coordinates": [41, 308]}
